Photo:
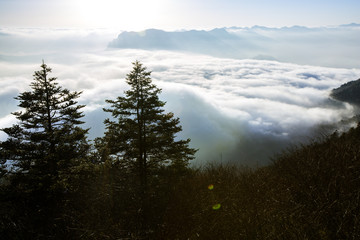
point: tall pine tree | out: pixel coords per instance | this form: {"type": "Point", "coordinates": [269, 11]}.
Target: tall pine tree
{"type": "Point", "coordinates": [43, 148]}
{"type": "Point", "coordinates": [141, 137]}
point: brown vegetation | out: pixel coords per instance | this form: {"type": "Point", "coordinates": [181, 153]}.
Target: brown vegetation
{"type": "Point", "coordinates": [309, 192]}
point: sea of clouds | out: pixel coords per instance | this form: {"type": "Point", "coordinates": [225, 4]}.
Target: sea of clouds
{"type": "Point", "coordinates": [237, 110]}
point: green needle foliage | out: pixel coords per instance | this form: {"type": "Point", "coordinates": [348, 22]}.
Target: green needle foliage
{"type": "Point", "coordinates": [140, 133]}
{"type": "Point", "coordinates": [141, 137]}
{"type": "Point", "coordinates": [43, 148]}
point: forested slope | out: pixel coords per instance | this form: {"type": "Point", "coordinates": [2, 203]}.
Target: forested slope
{"type": "Point", "coordinates": [308, 192]}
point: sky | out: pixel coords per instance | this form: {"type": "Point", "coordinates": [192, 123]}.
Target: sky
{"type": "Point", "coordinates": [175, 14]}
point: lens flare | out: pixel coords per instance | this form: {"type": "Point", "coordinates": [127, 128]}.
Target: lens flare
{"type": "Point", "coordinates": [216, 206]}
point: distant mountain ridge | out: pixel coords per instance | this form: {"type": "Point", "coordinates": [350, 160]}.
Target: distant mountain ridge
{"type": "Point", "coordinates": [215, 42]}
{"type": "Point", "coordinates": [296, 44]}
{"type": "Point", "coordinates": [348, 92]}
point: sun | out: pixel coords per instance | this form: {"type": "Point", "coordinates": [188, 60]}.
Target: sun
{"type": "Point", "coordinates": [129, 14]}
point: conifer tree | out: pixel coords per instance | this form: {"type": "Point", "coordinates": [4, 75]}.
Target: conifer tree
{"type": "Point", "coordinates": [140, 136]}
{"type": "Point", "coordinates": [48, 138]}
{"type": "Point", "coordinates": [45, 145]}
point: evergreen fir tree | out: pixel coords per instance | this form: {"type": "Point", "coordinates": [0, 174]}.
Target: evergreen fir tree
{"type": "Point", "coordinates": [141, 137]}
{"type": "Point", "coordinates": [44, 147]}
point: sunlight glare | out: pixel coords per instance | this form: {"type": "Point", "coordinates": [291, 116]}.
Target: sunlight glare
{"type": "Point", "coordinates": [134, 14]}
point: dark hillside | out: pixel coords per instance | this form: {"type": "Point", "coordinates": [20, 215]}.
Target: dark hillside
{"type": "Point", "coordinates": [348, 92]}
{"type": "Point", "coordinates": [309, 192]}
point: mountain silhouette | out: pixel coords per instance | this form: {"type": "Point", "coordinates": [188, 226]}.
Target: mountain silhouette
{"type": "Point", "coordinates": [348, 92]}
{"type": "Point", "coordinates": [286, 44]}
{"type": "Point", "coordinates": [217, 42]}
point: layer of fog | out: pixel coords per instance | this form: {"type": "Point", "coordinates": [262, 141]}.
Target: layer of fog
{"type": "Point", "coordinates": [234, 110]}
{"type": "Point", "coordinates": [32, 44]}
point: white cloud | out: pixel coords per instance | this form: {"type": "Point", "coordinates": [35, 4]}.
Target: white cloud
{"type": "Point", "coordinates": [244, 110]}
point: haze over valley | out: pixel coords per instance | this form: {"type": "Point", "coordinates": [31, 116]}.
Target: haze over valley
{"type": "Point", "coordinates": [241, 93]}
